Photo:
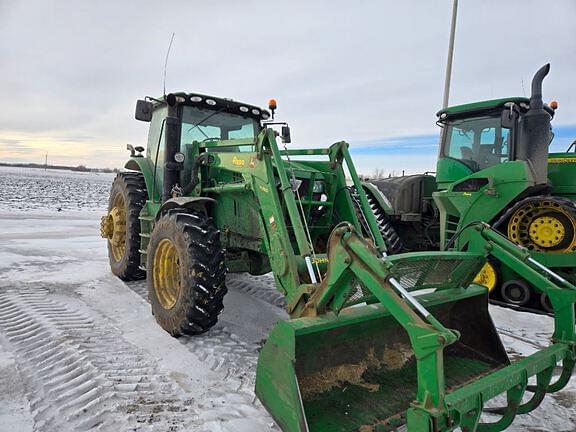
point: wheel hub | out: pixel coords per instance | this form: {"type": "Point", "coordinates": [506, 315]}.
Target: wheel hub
{"type": "Point", "coordinates": [166, 274]}
{"type": "Point", "coordinates": [113, 228]}
{"type": "Point", "coordinates": [547, 231]}
{"type": "Point", "coordinates": [106, 227]}
{"type": "Point", "coordinates": [544, 225]}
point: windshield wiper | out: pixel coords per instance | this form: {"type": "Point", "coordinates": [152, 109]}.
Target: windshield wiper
{"type": "Point", "coordinates": [204, 119]}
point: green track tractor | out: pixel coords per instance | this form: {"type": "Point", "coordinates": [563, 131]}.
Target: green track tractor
{"type": "Point", "coordinates": [494, 167]}
{"type": "Point", "coordinates": [373, 340]}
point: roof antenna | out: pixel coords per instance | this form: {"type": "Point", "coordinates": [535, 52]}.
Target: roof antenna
{"type": "Point", "coordinates": [166, 61]}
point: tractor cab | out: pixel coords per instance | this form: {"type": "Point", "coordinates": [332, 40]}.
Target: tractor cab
{"type": "Point", "coordinates": [201, 119]}
{"type": "Point", "coordinates": [481, 135]}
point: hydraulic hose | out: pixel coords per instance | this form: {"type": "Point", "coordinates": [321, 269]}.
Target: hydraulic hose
{"type": "Point", "coordinates": [194, 177]}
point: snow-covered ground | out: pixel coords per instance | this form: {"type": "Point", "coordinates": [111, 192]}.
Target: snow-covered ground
{"type": "Point", "coordinates": [79, 349]}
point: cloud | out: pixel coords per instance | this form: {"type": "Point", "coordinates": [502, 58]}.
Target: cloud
{"type": "Point", "coordinates": [339, 69]}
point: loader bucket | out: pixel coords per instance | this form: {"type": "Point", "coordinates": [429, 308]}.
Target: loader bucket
{"type": "Point", "coordinates": [357, 371]}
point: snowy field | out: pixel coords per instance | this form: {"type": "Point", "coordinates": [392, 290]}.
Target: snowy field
{"type": "Point", "coordinates": [79, 349]}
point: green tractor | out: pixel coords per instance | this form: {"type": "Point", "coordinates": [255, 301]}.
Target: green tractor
{"type": "Point", "coordinates": [373, 340]}
{"type": "Point", "coordinates": [494, 167]}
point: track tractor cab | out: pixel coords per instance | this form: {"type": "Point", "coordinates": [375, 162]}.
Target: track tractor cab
{"type": "Point", "coordinates": [481, 135]}
{"type": "Point", "coordinates": [494, 167]}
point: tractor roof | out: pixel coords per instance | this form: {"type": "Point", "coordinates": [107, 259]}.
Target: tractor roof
{"type": "Point", "coordinates": [217, 103]}
{"type": "Point", "coordinates": [474, 107]}
{"type": "Point", "coordinates": [481, 106]}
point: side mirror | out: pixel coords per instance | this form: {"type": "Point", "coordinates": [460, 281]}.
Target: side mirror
{"type": "Point", "coordinates": [143, 110]}
{"type": "Point", "coordinates": [286, 135]}
{"type": "Point", "coordinates": [509, 116]}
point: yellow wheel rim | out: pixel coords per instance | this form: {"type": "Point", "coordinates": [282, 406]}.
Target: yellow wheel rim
{"type": "Point", "coordinates": [113, 227]}
{"type": "Point", "coordinates": [547, 231]}
{"type": "Point", "coordinates": [166, 274]}
{"type": "Point", "coordinates": [543, 226]}
{"type": "Point", "coordinates": [487, 277]}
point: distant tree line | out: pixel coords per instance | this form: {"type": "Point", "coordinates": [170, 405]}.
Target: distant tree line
{"type": "Point", "coordinates": [80, 168]}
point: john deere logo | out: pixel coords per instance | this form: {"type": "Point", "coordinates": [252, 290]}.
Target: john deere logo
{"type": "Point", "coordinates": [561, 160]}
{"type": "Point", "coordinates": [252, 163]}
{"type": "Point", "coordinates": [319, 260]}
{"type": "Point", "coordinates": [238, 162]}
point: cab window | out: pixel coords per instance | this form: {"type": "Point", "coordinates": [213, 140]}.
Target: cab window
{"type": "Point", "coordinates": [203, 125]}
{"type": "Point", "coordinates": [478, 142]}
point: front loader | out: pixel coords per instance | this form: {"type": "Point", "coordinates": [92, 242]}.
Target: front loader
{"type": "Point", "coordinates": [373, 340]}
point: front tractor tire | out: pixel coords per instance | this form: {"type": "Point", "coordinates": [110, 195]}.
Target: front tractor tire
{"type": "Point", "coordinates": [121, 226]}
{"type": "Point", "coordinates": [185, 272]}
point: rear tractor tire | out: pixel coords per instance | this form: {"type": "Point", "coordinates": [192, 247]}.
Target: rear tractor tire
{"type": "Point", "coordinates": [185, 272]}
{"type": "Point", "coordinates": [121, 226]}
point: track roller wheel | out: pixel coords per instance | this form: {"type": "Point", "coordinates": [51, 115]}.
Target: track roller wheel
{"type": "Point", "coordinates": [489, 276]}
{"type": "Point", "coordinates": [545, 303]}
{"type": "Point", "coordinates": [121, 226]}
{"type": "Point", "coordinates": [186, 272]}
{"type": "Point", "coordinates": [516, 292]}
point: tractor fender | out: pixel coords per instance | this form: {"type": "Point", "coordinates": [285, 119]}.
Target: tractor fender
{"type": "Point", "coordinates": [145, 166]}
{"type": "Point", "coordinates": [198, 203]}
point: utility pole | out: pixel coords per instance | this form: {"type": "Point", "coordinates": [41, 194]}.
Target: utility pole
{"type": "Point", "coordinates": [46, 162]}
{"type": "Point", "coordinates": [450, 54]}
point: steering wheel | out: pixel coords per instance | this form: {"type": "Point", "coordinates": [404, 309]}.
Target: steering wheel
{"type": "Point", "coordinates": [210, 139]}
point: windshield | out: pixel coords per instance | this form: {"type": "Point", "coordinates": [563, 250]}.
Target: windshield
{"type": "Point", "coordinates": [205, 125]}
{"type": "Point", "coordinates": [478, 142]}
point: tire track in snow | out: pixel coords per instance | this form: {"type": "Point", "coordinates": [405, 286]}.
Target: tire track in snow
{"type": "Point", "coordinates": [231, 402]}
{"type": "Point", "coordinates": [261, 287]}
{"type": "Point", "coordinates": [220, 348]}
{"type": "Point", "coordinates": [81, 374]}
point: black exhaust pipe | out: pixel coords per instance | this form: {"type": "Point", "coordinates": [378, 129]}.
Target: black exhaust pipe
{"type": "Point", "coordinates": [171, 147]}
{"type": "Point", "coordinates": [536, 102]}
{"type": "Point", "coordinates": [535, 134]}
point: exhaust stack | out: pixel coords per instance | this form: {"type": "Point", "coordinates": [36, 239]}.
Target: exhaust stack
{"type": "Point", "coordinates": [171, 147]}
{"type": "Point", "coordinates": [534, 136]}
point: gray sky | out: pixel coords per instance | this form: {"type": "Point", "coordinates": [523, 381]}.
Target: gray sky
{"type": "Point", "coordinates": [371, 73]}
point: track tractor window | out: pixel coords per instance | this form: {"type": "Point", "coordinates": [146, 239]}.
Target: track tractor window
{"type": "Point", "coordinates": [478, 142]}
{"type": "Point", "coordinates": [203, 125]}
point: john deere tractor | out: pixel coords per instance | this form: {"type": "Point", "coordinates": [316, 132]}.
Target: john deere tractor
{"type": "Point", "coordinates": [493, 167]}
{"type": "Point", "coordinates": [373, 340]}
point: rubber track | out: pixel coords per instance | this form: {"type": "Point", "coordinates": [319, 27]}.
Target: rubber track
{"type": "Point", "coordinates": [571, 205]}
{"type": "Point", "coordinates": [391, 238]}
{"type": "Point", "coordinates": [80, 374]}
